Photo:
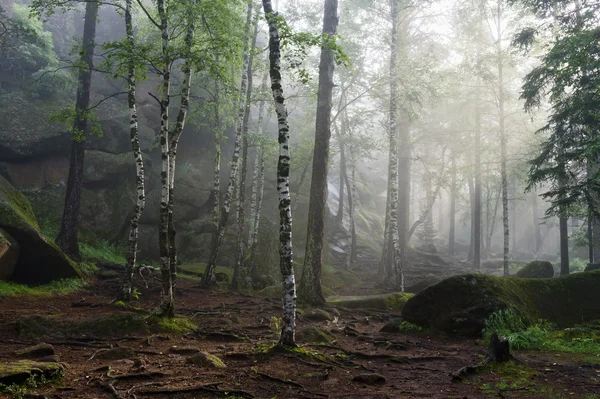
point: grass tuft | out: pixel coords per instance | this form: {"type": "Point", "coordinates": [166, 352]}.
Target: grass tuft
{"type": "Point", "coordinates": [583, 339]}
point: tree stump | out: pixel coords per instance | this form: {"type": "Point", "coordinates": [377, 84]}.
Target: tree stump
{"type": "Point", "coordinates": [498, 350]}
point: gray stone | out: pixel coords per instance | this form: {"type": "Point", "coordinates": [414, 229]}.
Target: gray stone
{"type": "Point", "coordinates": [119, 353]}
{"type": "Point", "coordinates": [37, 351]}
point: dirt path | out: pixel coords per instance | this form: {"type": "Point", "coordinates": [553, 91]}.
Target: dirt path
{"type": "Point", "coordinates": [418, 369]}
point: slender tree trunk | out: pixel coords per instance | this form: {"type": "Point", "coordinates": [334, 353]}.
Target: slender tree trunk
{"type": "Point", "coordinates": [513, 211]}
{"type": "Point", "coordinates": [536, 223]}
{"type": "Point", "coordinates": [288, 321]}
{"type": "Point", "coordinates": [452, 231]}
{"type": "Point", "coordinates": [501, 116]}
{"type": "Point", "coordinates": [235, 281]}
{"type": "Point", "coordinates": [174, 141]}
{"type": "Point", "coordinates": [383, 267]}
{"type": "Point", "coordinates": [351, 210]}
{"type": "Point", "coordinates": [393, 132]}
{"type": "Point", "coordinates": [209, 279]}
{"type": "Point", "coordinates": [300, 183]}
{"type": "Point", "coordinates": [564, 237]}
{"type": "Point", "coordinates": [67, 235]}
{"type": "Point", "coordinates": [310, 286]}
{"type": "Point", "coordinates": [258, 160]}
{"type": "Point", "coordinates": [127, 282]}
{"type": "Point", "coordinates": [166, 308]}
{"type": "Point", "coordinates": [339, 218]}
{"type": "Point", "coordinates": [477, 188]}
{"type": "Point", "coordinates": [471, 184]}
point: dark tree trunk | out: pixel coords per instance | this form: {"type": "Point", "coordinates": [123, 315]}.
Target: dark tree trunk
{"type": "Point", "coordinates": [452, 231]}
{"type": "Point", "coordinates": [310, 287]}
{"type": "Point", "coordinates": [477, 191]}
{"type": "Point", "coordinates": [536, 223]}
{"type": "Point", "coordinates": [339, 217]}
{"type": "Point", "coordinates": [67, 236]}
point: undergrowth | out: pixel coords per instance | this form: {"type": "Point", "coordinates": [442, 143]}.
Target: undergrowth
{"type": "Point", "coordinates": [582, 339]}
{"type": "Point", "coordinates": [19, 391]}
{"type": "Point", "coordinates": [102, 251]}
{"type": "Point", "coordinates": [58, 287]}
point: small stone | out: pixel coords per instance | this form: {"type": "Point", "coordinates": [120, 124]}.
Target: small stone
{"type": "Point", "coordinates": [116, 354]}
{"type": "Point", "coordinates": [36, 351]}
{"type": "Point", "coordinates": [370, 379]}
{"type": "Point", "coordinates": [205, 359]}
{"type": "Point", "coordinates": [318, 315]}
{"type": "Point", "coordinates": [184, 350]}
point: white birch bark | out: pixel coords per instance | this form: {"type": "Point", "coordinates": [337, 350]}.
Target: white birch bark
{"type": "Point", "coordinates": [166, 307]}
{"type": "Point", "coordinates": [173, 142]}
{"type": "Point", "coordinates": [208, 279]}
{"type": "Point", "coordinates": [288, 321]}
{"type": "Point", "coordinates": [127, 282]}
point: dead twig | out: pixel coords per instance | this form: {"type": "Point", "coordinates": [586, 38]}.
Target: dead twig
{"type": "Point", "coordinates": [136, 376]}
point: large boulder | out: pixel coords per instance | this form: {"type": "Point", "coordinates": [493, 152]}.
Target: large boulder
{"type": "Point", "coordinates": [461, 304]}
{"type": "Point", "coordinates": [592, 266]}
{"type": "Point", "coordinates": [26, 132]}
{"type": "Point", "coordinates": [9, 254]}
{"type": "Point", "coordinates": [537, 269]}
{"type": "Point", "coordinates": [40, 260]}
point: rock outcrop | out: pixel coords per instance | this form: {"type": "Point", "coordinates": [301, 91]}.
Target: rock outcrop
{"type": "Point", "coordinates": [39, 260]}
{"type": "Point", "coordinates": [536, 269]}
{"type": "Point", "coordinates": [461, 304]}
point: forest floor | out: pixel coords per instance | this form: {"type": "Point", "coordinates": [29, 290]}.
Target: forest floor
{"type": "Point", "coordinates": [239, 329]}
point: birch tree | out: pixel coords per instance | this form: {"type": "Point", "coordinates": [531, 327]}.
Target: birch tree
{"type": "Point", "coordinates": [288, 321]}
{"type": "Point", "coordinates": [209, 279]}
{"type": "Point", "coordinates": [127, 283]}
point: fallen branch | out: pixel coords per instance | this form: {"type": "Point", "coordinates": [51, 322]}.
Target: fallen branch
{"type": "Point", "coordinates": [80, 344]}
{"type": "Point", "coordinates": [200, 388]}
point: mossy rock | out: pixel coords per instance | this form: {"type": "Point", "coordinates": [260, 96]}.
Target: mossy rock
{"type": "Point", "coordinates": [393, 302]}
{"type": "Point", "coordinates": [592, 266]}
{"type": "Point", "coordinates": [9, 255]}
{"type": "Point", "coordinates": [205, 359]}
{"type": "Point", "coordinates": [36, 326]}
{"type": "Point", "coordinates": [536, 269]}
{"type": "Point", "coordinates": [40, 260]}
{"type": "Point", "coordinates": [318, 315]}
{"type": "Point", "coordinates": [335, 279]}
{"type": "Point", "coordinates": [22, 370]}
{"type": "Point", "coordinates": [314, 335]}
{"type": "Point", "coordinates": [461, 304]}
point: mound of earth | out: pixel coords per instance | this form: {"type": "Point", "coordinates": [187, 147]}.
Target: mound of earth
{"type": "Point", "coordinates": [536, 269]}
{"type": "Point", "coordinates": [461, 304]}
{"type": "Point", "coordinates": [39, 260]}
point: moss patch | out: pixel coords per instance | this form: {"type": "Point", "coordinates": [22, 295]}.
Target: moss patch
{"type": "Point", "coordinates": [178, 325]}
{"type": "Point", "coordinates": [394, 302]}
{"type": "Point", "coordinates": [314, 335]}
{"type": "Point", "coordinates": [461, 304]}
{"type": "Point", "coordinates": [58, 287]}
{"type": "Point", "coordinates": [26, 371]}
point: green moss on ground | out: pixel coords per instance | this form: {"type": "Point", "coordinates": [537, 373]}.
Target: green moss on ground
{"type": "Point", "coordinates": [461, 304]}
{"type": "Point", "coordinates": [393, 302]}
{"type": "Point", "coordinates": [58, 287]}
{"type": "Point", "coordinates": [178, 325]}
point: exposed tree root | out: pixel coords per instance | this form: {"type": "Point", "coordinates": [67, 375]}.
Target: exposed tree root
{"type": "Point", "coordinates": [108, 387]}
{"type": "Point", "coordinates": [137, 376]}
{"type": "Point", "coordinates": [212, 388]}
{"type": "Point", "coordinates": [498, 351]}
{"type": "Point", "coordinates": [281, 380]}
